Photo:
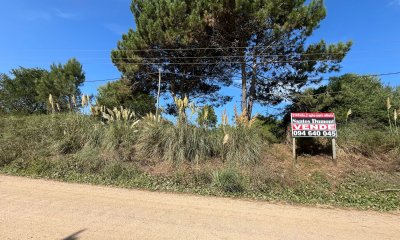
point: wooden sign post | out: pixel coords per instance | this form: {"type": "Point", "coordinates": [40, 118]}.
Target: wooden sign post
{"type": "Point", "coordinates": [294, 152]}
{"type": "Point", "coordinates": [334, 150]}
{"type": "Point", "coordinates": [313, 125]}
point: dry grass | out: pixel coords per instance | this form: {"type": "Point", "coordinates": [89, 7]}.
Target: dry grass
{"type": "Point", "coordinates": [277, 162]}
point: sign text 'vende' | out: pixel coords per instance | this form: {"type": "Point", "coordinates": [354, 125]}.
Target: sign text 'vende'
{"type": "Point", "coordinates": [313, 125]}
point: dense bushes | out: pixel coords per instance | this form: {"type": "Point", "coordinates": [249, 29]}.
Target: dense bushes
{"type": "Point", "coordinates": [41, 136]}
{"type": "Point", "coordinates": [366, 112]}
{"type": "Point", "coordinates": [358, 138]}
{"type": "Point", "coordinates": [178, 143]}
{"type": "Point", "coordinates": [229, 180]}
{"type": "Point", "coordinates": [63, 134]}
{"type": "Point", "coordinates": [223, 161]}
{"type": "Point", "coordinates": [186, 142]}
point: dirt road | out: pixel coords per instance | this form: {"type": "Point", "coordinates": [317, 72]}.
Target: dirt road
{"type": "Point", "coordinates": [40, 209]}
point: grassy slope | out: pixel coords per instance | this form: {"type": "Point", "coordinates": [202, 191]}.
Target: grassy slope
{"type": "Point", "coordinates": [78, 149]}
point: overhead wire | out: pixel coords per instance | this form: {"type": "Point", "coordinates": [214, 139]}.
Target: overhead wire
{"type": "Point", "coordinates": [232, 56]}
{"type": "Point", "coordinates": [281, 95]}
{"type": "Point", "coordinates": [174, 49]}
{"type": "Point", "coordinates": [101, 80]}
{"type": "Point", "coordinates": [164, 49]}
{"type": "Point", "coordinates": [312, 79]}
{"type": "Point", "coordinates": [311, 95]}
{"type": "Point", "coordinates": [225, 62]}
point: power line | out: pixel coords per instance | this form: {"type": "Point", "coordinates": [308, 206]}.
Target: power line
{"type": "Point", "coordinates": [232, 62]}
{"type": "Point", "coordinates": [234, 78]}
{"type": "Point", "coordinates": [172, 49]}
{"type": "Point", "coordinates": [207, 63]}
{"type": "Point", "coordinates": [203, 48]}
{"type": "Point", "coordinates": [230, 56]}
{"type": "Point", "coordinates": [298, 96]}
{"type": "Point", "coordinates": [103, 80]}
{"type": "Point", "coordinates": [384, 74]}
{"type": "Point", "coordinates": [164, 49]}
{"type": "Point", "coordinates": [161, 49]}
{"type": "Point", "coordinates": [315, 79]}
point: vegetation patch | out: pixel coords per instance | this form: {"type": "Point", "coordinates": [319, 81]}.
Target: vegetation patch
{"type": "Point", "coordinates": [113, 154]}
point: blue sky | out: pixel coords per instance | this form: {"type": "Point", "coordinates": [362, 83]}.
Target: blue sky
{"type": "Point", "coordinates": [36, 33]}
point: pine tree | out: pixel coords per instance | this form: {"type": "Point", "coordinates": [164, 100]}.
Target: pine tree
{"type": "Point", "coordinates": [181, 25]}
{"type": "Point", "coordinates": [17, 93]}
{"type": "Point", "coordinates": [63, 82]}
{"type": "Point", "coordinates": [270, 36]}
{"type": "Point", "coordinates": [264, 41]}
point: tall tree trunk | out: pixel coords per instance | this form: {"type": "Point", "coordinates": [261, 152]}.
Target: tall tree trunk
{"type": "Point", "coordinates": [252, 90]}
{"type": "Point", "coordinates": [172, 87]}
{"type": "Point", "coordinates": [244, 82]}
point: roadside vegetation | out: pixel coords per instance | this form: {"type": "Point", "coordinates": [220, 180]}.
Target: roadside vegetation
{"type": "Point", "coordinates": [247, 158]}
{"type": "Point", "coordinates": [121, 137]}
{"type": "Point", "coordinates": [77, 148]}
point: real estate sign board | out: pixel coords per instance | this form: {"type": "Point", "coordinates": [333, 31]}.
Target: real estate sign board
{"type": "Point", "coordinates": [313, 125]}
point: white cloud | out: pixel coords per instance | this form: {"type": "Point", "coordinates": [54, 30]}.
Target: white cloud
{"type": "Point", "coordinates": [65, 15]}
{"type": "Point", "coordinates": [116, 28]}
{"type": "Point", "coordinates": [395, 3]}
{"type": "Point", "coordinates": [37, 16]}
{"type": "Point", "coordinates": [47, 15]}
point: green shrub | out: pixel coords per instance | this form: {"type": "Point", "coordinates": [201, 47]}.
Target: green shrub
{"type": "Point", "coordinates": [243, 145]}
{"type": "Point", "coordinates": [359, 138]}
{"type": "Point", "coordinates": [178, 143]}
{"type": "Point", "coordinates": [43, 136]}
{"type": "Point", "coordinates": [75, 147]}
{"type": "Point", "coordinates": [73, 133]}
{"type": "Point", "coordinates": [229, 181]}
{"type": "Point", "coordinates": [112, 171]}
{"type": "Point", "coordinates": [24, 137]}
{"type": "Point", "coordinates": [41, 167]}
{"type": "Point", "coordinates": [202, 177]}
{"type": "Point", "coordinates": [269, 128]}
{"type": "Point", "coordinates": [183, 142]}
{"type": "Point", "coordinates": [118, 139]}
{"type": "Point", "coordinates": [9, 151]}
{"type": "Point", "coordinates": [363, 190]}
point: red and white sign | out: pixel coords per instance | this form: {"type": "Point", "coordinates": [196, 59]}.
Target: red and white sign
{"type": "Point", "coordinates": [313, 125]}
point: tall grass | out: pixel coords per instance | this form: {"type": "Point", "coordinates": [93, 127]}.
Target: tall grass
{"type": "Point", "coordinates": [229, 180]}
{"type": "Point", "coordinates": [188, 143]}
{"type": "Point", "coordinates": [244, 145]}
{"type": "Point", "coordinates": [42, 136]}
{"type": "Point", "coordinates": [31, 137]}
{"type": "Point", "coordinates": [361, 139]}
{"type": "Point", "coordinates": [185, 142]}
{"type": "Point", "coordinates": [177, 143]}
{"type": "Point", "coordinates": [79, 148]}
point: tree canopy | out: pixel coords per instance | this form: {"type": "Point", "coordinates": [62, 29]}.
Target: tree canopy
{"type": "Point", "coordinates": [276, 60]}
{"type": "Point", "coordinates": [118, 93]}
{"type": "Point", "coordinates": [27, 89]}
{"type": "Point", "coordinates": [366, 96]}
{"type": "Point", "coordinates": [173, 36]}
{"type": "Point", "coordinates": [200, 45]}
{"type": "Point", "coordinates": [62, 82]}
{"type": "Point", "coordinates": [18, 92]}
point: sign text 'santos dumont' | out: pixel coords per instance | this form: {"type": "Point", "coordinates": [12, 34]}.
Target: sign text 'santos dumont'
{"type": "Point", "coordinates": [313, 125]}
